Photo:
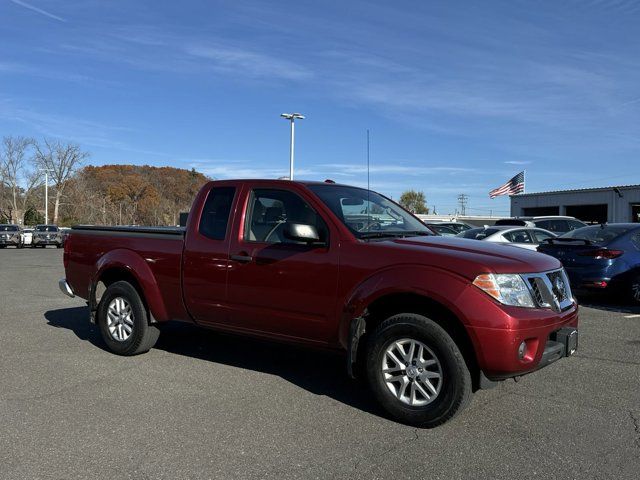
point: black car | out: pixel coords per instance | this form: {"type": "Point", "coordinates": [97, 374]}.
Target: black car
{"type": "Point", "coordinates": [44, 235]}
{"type": "Point", "coordinates": [10, 235]}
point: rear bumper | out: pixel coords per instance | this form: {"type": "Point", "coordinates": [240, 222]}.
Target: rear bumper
{"type": "Point", "coordinates": [66, 288]}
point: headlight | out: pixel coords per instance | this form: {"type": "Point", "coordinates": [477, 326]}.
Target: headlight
{"type": "Point", "coordinates": [509, 289]}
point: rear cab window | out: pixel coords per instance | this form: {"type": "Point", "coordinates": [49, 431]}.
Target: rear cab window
{"type": "Point", "coordinates": [214, 221]}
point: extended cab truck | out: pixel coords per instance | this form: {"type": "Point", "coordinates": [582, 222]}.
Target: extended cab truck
{"type": "Point", "coordinates": [426, 319]}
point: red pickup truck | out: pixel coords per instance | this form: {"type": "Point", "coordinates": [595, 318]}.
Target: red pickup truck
{"type": "Point", "coordinates": [425, 319]}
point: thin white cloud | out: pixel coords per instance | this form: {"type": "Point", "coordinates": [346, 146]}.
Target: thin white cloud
{"type": "Point", "coordinates": [38, 10]}
{"type": "Point", "coordinates": [517, 162]}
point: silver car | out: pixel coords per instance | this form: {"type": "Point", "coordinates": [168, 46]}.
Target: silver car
{"type": "Point", "coordinates": [524, 237]}
{"type": "Point", "coordinates": [10, 235]}
{"type": "Point", "coordinates": [44, 235]}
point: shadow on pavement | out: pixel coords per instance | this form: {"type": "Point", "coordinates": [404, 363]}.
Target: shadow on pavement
{"type": "Point", "coordinates": [319, 372]}
{"type": "Point", "coordinates": [608, 303]}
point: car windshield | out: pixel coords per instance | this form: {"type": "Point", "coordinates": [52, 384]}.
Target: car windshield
{"type": "Point", "coordinates": [368, 214]}
{"type": "Point", "coordinates": [478, 233]}
{"type": "Point", "coordinates": [8, 228]}
{"type": "Point", "coordinates": [597, 234]}
{"type": "Point", "coordinates": [444, 230]}
{"type": "Point", "coordinates": [458, 227]}
{"type": "Point", "coordinates": [46, 228]}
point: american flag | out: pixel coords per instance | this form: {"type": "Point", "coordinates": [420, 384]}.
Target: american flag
{"type": "Point", "coordinates": [512, 187]}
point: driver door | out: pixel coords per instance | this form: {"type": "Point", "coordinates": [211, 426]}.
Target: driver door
{"type": "Point", "coordinates": [278, 286]}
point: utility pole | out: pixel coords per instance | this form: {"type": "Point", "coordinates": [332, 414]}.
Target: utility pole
{"type": "Point", "coordinates": [292, 117]}
{"type": "Point", "coordinates": [462, 201]}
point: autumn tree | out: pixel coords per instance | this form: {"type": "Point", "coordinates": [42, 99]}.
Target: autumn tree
{"type": "Point", "coordinates": [61, 160]}
{"type": "Point", "coordinates": [414, 201]}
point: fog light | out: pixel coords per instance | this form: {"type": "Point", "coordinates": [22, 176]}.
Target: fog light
{"type": "Point", "coordinates": [522, 349]}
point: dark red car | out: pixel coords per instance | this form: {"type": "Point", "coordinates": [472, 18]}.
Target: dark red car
{"type": "Point", "coordinates": [427, 319]}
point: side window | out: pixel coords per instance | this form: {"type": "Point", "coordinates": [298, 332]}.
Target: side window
{"type": "Point", "coordinates": [271, 210]}
{"type": "Point", "coordinates": [545, 224]}
{"type": "Point", "coordinates": [574, 225]}
{"type": "Point", "coordinates": [518, 236]}
{"type": "Point", "coordinates": [215, 214]}
{"type": "Point", "coordinates": [541, 236]}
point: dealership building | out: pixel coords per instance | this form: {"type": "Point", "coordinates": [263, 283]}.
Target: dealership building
{"type": "Point", "coordinates": [591, 205]}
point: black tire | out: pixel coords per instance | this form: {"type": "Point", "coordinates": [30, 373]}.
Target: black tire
{"type": "Point", "coordinates": [58, 246]}
{"type": "Point", "coordinates": [454, 386]}
{"type": "Point", "coordinates": [634, 289]}
{"type": "Point", "coordinates": [19, 245]}
{"type": "Point", "coordinates": [143, 335]}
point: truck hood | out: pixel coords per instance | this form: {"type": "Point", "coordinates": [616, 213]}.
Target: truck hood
{"type": "Point", "coordinates": [472, 257]}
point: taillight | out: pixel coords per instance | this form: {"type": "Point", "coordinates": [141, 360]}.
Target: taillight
{"type": "Point", "coordinates": [602, 254]}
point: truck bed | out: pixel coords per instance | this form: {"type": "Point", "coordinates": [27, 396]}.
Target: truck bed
{"type": "Point", "coordinates": [153, 255]}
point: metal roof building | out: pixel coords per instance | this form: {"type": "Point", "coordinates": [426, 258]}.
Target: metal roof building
{"type": "Point", "coordinates": [597, 205]}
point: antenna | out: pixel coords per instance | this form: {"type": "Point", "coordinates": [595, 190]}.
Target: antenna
{"type": "Point", "coordinates": [368, 184]}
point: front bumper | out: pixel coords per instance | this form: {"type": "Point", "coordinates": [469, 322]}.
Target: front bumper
{"type": "Point", "coordinates": [9, 242]}
{"type": "Point", "coordinates": [47, 241]}
{"type": "Point", "coordinates": [498, 347]}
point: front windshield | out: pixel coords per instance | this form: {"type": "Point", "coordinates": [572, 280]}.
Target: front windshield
{"type": "Point", "coordinates": [368, 214]}
{"type": "Point", "coordinates": [8, 228]}
{"type": "Point", "coordinates": [46, 228]}
{"type": "Point", "coordinates": [599, 235]}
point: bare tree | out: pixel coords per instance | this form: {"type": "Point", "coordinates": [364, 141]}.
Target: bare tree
{"type": "Point", "coordinates": [61, 160]}
{"type": "Point", "coordinates": [13, 163]}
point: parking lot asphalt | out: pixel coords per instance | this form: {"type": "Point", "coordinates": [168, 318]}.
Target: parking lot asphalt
{"type": "Point", "coordinates": [206, 405]}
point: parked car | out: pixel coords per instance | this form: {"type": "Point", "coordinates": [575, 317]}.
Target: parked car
{"type": "Point", "coordinates": [47, 235]}
{"type": "Point", "coordinates": [525, 237]}
{"type": "Point", "coordinates": [424, 318]}
{"type": "Point", "coordinates": [10, 235]}
{"type": "Point", "coordinates": [27, 237]}
{"type": "Point", "coordinates": [555, 223]}
{"type": "Point", "coordinates": [442, 229]}
{"type": "Point", "coordinates": [455, 226]}
{"type": "Point", "coordinates": [600, 257]}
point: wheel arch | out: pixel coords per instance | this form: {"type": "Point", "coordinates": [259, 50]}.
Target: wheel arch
{"type": "Point", "coordinates": [124, 265]}
{"type": "Point", "coordinates": [394, 303]}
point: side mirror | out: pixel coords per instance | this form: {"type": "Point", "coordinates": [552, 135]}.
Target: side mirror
{"type": "Point", "coordinates": [300, 232]}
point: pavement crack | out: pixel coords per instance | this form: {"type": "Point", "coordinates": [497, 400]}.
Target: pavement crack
{"type": "Point", "coordinates": [636, 427]}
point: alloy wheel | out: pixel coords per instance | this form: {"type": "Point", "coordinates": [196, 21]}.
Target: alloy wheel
{"type": "Point", "coordinates": [120, 319]}
{"type": "Point", "coordinates": [412, 372]}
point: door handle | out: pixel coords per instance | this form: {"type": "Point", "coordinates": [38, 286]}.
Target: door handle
{"type": "Point", "coordinates": [242, 258]}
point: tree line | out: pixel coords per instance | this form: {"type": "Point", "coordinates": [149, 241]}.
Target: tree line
{"type": "Point", "coordinates": [109, 195]}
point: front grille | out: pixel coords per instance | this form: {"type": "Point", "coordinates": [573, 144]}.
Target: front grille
{"type": "Point", "coordinates": [550, 289]}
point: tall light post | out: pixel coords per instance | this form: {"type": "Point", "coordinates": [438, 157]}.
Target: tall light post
{"type": "Point", "coordinates": [292, 117]}
{"type": "Point", "coordinates": [46, 194]}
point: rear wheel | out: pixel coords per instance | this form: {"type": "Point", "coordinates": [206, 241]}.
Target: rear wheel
{"type": "Point", "coordinates": [123, 320]}
{"type": "Point", "coordinates": [416, 371]}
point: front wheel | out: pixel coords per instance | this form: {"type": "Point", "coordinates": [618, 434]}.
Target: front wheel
{"type": "Point", "coordinates": [123, 321]}
{"type": "Point", "coordinates": [416, 371]}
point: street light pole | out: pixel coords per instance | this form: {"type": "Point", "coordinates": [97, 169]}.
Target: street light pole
{"type": "Point", "coordinates": [46, 195]}
{"type": "Point", "coordinates": [292, 117]}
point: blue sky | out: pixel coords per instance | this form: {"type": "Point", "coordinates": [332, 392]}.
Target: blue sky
{"type": "Point", "coordinates": [459, 96]}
